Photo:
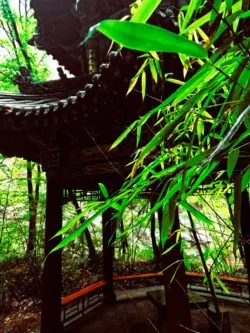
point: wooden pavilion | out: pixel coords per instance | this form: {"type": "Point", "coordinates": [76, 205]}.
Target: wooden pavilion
{"type": "Point", "coordinates": [68, 125]}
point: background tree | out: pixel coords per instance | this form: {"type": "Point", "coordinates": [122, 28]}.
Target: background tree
{"type": "Point", "coordinates": [16, 29]}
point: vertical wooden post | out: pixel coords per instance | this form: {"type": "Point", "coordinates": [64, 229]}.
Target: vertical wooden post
{"type": "Point", "coordinates": [245, 230]}
{"type": "Point", "coordinates": [52, 273]}
{"type": "Point", "coordinates": [108, 232]}
{"type": "Point", "coordinates": [178, 317]}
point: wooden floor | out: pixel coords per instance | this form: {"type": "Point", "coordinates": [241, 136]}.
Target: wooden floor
{"type": "Point", "coordinates": [139, 315]}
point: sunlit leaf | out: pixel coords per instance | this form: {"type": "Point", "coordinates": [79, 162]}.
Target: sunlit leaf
{"type": "Point", "coordinates": [76, 219]}
{"type": "Point", "coordinates": [124, 135]}
{"type": "Point", "coordinates": [169, 249]}
{"type": "Point", "coordinates": [147, 38]}
{"type": "Point", "coordinates": [143, 85]}
{"type": "Point", "coordinates": [145, 10]}
{"type": "Point", "coordinates": [66, 240]}
{"type": "Point", "coordinates": [153, 70]}
{"type": "Point", "coordinates": [193, 6]}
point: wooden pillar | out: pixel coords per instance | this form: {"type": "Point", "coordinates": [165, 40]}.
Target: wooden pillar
{"type": "Point", "coordinates": [245, 230]}
{"type": "Point", "coordinates": [108, 234]}
{"type": "Point", "coordinates": [178, 317]}
{"type": "Point", "coordinates": [52, 273]}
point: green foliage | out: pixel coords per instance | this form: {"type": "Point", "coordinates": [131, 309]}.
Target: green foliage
{"type": "Point", "coordinates": [14, 212]}
{"type": "Point", "coordinates": [144, 10]}
{"type": "Point", "coordinates": [202, 124]}
{"type": "Point", "coordinates": [16, 29]}
{"type": "Point", "coordinates": [147, 38]}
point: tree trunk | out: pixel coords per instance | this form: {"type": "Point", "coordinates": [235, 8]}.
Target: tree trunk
{"type": "Point", "coordinates": [156, 250]}
{"type": "Point", "coordinates": [160, 218]}
{"type": "Point", "coordinates": [90, 243]}
{"type": "Point", "coordinates": [124, 240]}
{"type": "Point", "coordinates": [14, 36]}
{"type": "Point", "coordinates": [230, 209]}
{"type": "Point", "coordinates": [33, 199]}
{"type": "Point", "coordinates": [178, 317]}
{"type": "Point", "coordinates": [108, 232]}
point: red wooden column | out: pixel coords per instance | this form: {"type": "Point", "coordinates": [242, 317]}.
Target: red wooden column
{"type": "Point", "coordinates": [108, 234]}
{"type": "Point", "coordinates": [52, 273]}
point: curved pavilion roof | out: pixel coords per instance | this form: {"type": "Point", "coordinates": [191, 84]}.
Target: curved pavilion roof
{"type": "Point", "coordinates": [75, 130]}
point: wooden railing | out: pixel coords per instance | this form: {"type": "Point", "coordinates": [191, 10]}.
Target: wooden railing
{"type": "Point", "coordinates": [76, 305]}
{"type": "Point", "coordinates": [137, 276]}
{"type": "Point", "coordinates": [224, 278]}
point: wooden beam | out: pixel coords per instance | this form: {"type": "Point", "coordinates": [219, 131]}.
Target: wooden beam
{"type": "Point", "coordinates": [52, 273]}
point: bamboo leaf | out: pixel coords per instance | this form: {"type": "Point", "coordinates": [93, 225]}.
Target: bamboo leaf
{"type": "Point", "coordinates": [224, 25]}
{"type": "Point", "coordinates": [245, 15]}
{"type": "Point", "coordinates": [103, 190]}
{"type": "Point", "coordinates": [242, 137]}
{"type": "Point", "coordinates": [170, 248]}
{"type": "Point", "coordinates": [245, 179]}
{"type": "Point", "coordinates": [77, 218]}
{"type": "Point", "coordinates": [176, 81]}
{"type": "Point", "coordinates": [124, 134]}
{"type": "Point", "coordinates": [229, 4]}
{"type": "Point", "coordinates": [193, 6]}
{"type": "Point", "coordinates": [200, 216]}
{"type": "Point", "coordinates": [232, 160]}
{"type": "Point", "coordinates": [132, 84]}
{"type": "Point", "coordinates": [153, 70]}
{"type": "Point", "coordinates": [206, 253]}
{"type": "Point", "coordinates": [169, 210]}
{"type": "Point", "coordinates": [143, 85]}
{"type": "Point", "coordinates": [187, 264]}
{"type": "Point", "coordinates": [216, 6]}
{"type": "Point", "coordinates": [66, 240]}
{"type": "Point", "coordinates": [205, 19]}
{"type": "Point", "coordinates": [237, 7]}
{"type": "Point", "coordinates": [221, 284]}
{"type": "Point", "coordinates": [138, 135]}
{"type": "Point", "coordinates": [203, 175]}
{"type": "Point", "coordinates": [145, 10]}
{"type": "Point", "coordinates": [147, 38]}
